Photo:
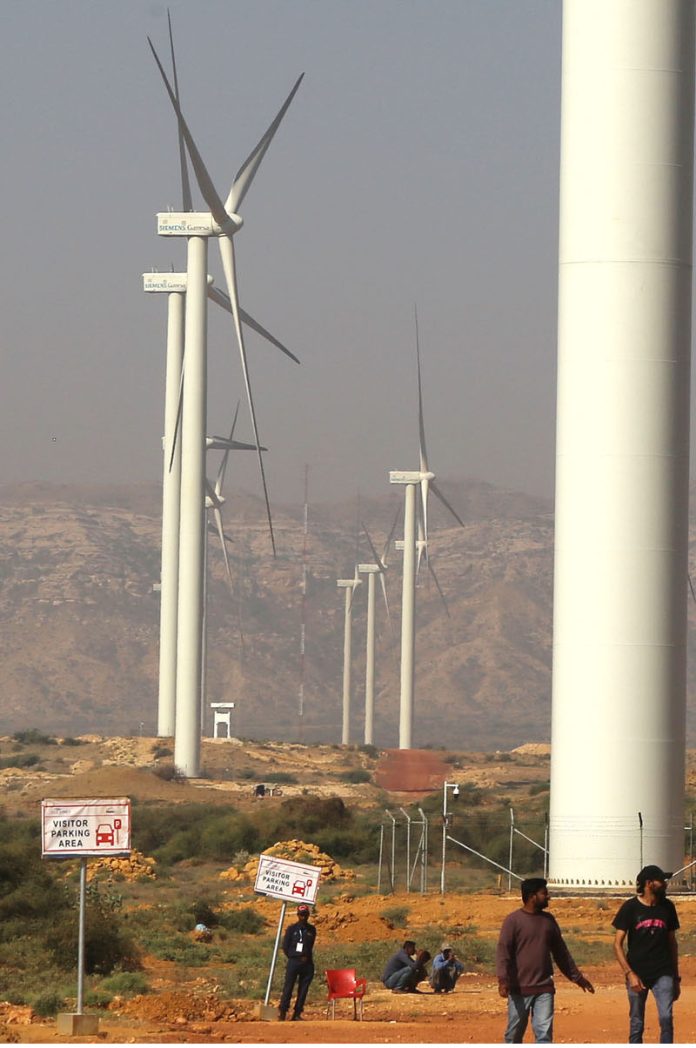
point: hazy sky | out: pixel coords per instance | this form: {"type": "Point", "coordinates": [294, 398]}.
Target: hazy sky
{"type": "Point", "coordinates": [417, 163]}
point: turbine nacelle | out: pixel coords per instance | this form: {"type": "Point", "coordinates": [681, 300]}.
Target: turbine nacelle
{"type": "Point", "coordinates": [167, 282]}
{"type": "Point", "coordinates": [409, 476]}
{"type": "Point", "coordinates": [196, 224]}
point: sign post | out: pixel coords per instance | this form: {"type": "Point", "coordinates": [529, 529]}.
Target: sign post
{"type": "Point", "coordinates": [291, 882]}
{"type": "Point", "coordinates": [81, 829]}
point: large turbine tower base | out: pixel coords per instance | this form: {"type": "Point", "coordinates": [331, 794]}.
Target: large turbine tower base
{"type": "Point", "coordinates": [619, 660]}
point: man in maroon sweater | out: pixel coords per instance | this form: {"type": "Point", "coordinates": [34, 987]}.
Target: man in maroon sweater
{"type": "Point", "coordinates": [529, 938]}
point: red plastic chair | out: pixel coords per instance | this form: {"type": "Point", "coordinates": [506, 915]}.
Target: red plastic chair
{"type": "Point", "coordinates": [343, 983]}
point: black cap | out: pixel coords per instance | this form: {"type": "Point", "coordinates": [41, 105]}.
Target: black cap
{"type": "Point", "coordinates": [653, 873]}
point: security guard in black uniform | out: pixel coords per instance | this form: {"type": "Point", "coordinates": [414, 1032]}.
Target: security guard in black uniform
{"type": "Point", "coordinates": [298, 945]}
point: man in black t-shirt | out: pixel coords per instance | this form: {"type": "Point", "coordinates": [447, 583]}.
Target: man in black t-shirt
{"type": "Point", "coordinates": [649, 921]}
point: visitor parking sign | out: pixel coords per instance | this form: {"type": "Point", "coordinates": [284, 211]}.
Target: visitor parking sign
{"type": "Point", "coordinates": [285, 879]}
{"type": "Point", "coordinates": [90, 827]}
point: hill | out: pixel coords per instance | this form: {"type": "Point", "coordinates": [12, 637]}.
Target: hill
{"type": "Point", "coordinates": [79, 617]}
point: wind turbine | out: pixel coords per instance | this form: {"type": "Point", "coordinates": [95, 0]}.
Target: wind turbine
{"type": "Point", "coordinates": [377, 567]}
{"type": "Point", "coordinates": [222, 221]}
{"type": "Point", "coordinates": [350, 586]}
{"type": "Point", "coordinates": [414, 549]}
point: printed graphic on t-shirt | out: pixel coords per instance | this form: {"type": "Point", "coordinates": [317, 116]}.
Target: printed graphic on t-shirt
{"type": "Point", "coordinates": [652, 924]}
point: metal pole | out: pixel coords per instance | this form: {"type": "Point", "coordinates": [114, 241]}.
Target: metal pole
{"type": "Point", "coordinates": [381, 849]}
{"type": "Point", "coordinates": [640, 823]}
{"type": "Point", "coordinates": [81, 937]}
{"type": "Point", "coordinates": [691, 849]}
{"type": "Point", "coordinates": [408, 849]}
{"type": "Point", "coordinates": [393, 848]}
{"type": "Point", "coordinates": [512, 834]}
{"type": "Point", "coordinates": [275, 952]}
{"type": "Point", "coordinates": [444, 837]}
{"type": "Point", "coordinates": [424, 851]}
{"type": "Point", "coordinates": [546, 844]}
{"type": "Point", "coordinates": [425, 856]}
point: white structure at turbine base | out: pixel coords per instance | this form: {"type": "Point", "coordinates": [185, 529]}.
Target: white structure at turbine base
{"type": "Point", "coordinates": [625, 259]}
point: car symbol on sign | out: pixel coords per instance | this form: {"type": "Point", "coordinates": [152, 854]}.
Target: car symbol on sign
{"type": "Point", "coordinates": [105, 834]}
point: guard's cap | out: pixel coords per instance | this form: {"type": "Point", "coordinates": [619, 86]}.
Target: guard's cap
{"type": "Point", "coordinates": [303, 908]}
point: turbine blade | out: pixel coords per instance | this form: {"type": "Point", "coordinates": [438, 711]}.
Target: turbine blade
{"type": "Point", "coordinates": [431, 569]}
{"type": "Point", "coordinates": [234, 420]}
{"type": "Point", "coordinates": [223, 465]}
{"type": "Point", "coordinates": [218, 521]}
{"type": "Point", "coordinates": [438, 494]}
{"type": "Point", "coordinates": [211, 491]}
{"type": "Point", "coordinates": [177, 423]}
{"type": "Point", "coordinates": [221, 299]}
{"type": "Point", "coordinates": [375, 554]}
{"type": "Point", "coordinates": [217, 443]}
{"type": "Point", "coordinates": [390, 536]}
{"type": "Point", "coordinates": [205, 184]}
{"type": "Point", "coordinates": [245, 175]}
{"type": "Point", "coordinates": [227, 256]}
{"type": "Point", "coordinates": [423, 451]}
{"type": "Point", "coordinates": [384, 594]}
{"type": "Point", "coordinates": [186, 198]}
{"type": "Point", "coordinates": [422, 540]}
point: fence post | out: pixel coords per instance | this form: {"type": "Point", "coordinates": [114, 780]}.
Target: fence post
{"type": "Point", "coordinates": [408, 848]}
{"type": "Point", "coordinates": [512, 834]}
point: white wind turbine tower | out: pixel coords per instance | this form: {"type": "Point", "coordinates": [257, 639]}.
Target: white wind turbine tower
{"type": "Point", "coordinates": [174, 286]}
{"type": "Point", "coordinates": [222, 222]}
{"type": "Point", "coordinates": [350, 586]}
{"type": "Point", "coordinates": [424, 479]}
{"type": "Point", "coordinates": [377, 567]}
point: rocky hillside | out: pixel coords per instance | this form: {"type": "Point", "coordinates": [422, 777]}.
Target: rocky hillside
{"type": "Point", "coordinates": [79, 617]}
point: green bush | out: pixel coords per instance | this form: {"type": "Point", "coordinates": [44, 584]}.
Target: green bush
{"type": "Point", "coordinates": [21, 760]}
{"type": "Point", "coordinates": [245, 922]}
{"type": "Point", "coordinates": [126, 984]}
{"type": "Point", "coordinates": [48, 1004]}
{"type": "Point", "coordinates": [98, 998]}
{"type": "Point", "coordinates": [281, 777]}
{"type": "Point", "coordinates": [203, 913]}
{"type": "Point", "coordinates": [69, 741]}
{"type": "Point", "coordinates": [169, 773]}
{"type": "Point", "coordinates": [357, 775]}
{"type": "Point", "coordinates": [397, 916]}
{"type": "Point", "coordinates": [33, 737]}
{"type": "Point", "coordinates": [161, 751]}
{"type": "Point", "coordinates": [370, 750]}
{"type": "Point", "coordinates": [107, 944]}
